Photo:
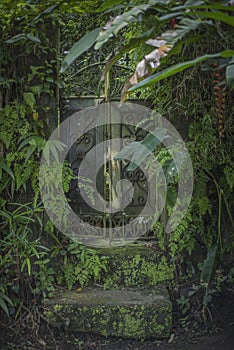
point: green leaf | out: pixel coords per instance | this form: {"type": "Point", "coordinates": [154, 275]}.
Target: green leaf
{"type": "Point", "coordinates": [217, 15]}
{"type": "Point", "coordinates": [53, 150]}
{"type": "Point", "coordinates": [128, 151]}
{"type": "Point", "coordinates": [209, 266]}
{"type": "Point", "coordinates": [171, 196]}
{"type": "Point", "coordinates": [5, 297]}
{"type": "Point", "coordinates": [34, 39]}
{"type": "Point", "coordinates": [24, 143]}
{"type": "Point", "coordinates": [60, 146]}
{"type": "Point", "coordinates": [32, 140]}
{"type": "Point", "coordinates": [139, 151]}
{"type": "Point", "coordinates": [34, 143]}
{"type": "Point", "coordinates": [3, 305]}
{"type": "Point", "coordinates": [6, 168]}
{"type": "Point", "coordinates": [15, 39]}
{"type": "Point", "coordinates": [185, 27]}
{"type": "Point", "coordinates": [120, 22]}
{"type": "Point", "coordinates": [53, 147]}
{"type": "Point", "coordinates": [202, 5]}
{"type": "Point", "coordinates": [178, 68]}
{"type": "Point", "coordinates": [108, 4]}
{"type": "Point", "coordinates": [35, 252]}
{"type": "Point", "coordinates": [13, 186]}
{"type": "Point", "coordinates": [227, 53]}
{"type": "Point", "coordinates": [216, 6]}
{"type": "Point", "coordinates": [22, 36]}
{"type": "Point", "coordinates": [46, 153]}
{"type": "Point", "coordinates": [47, 11]}
{"type": "Point", "coordinates": [230, 73]}
{"type": "Point", "coordinates": [28, 263]}
{"type": "Point", "coordinates": [169, 167]}
{"type": "Point", "coordinates": [169, 16]}
{"type": "Point", "coordinates": [193, 3]}
{"type": "Point", "coordinates": [5, 215]}
{"type": "Point", "coordinates": [78, 48]}
{"type": "Point", "coordinates": [30, 151]}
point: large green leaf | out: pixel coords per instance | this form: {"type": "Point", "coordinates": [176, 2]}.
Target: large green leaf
{"type": "Point", "coordinates": [135, 14]}
{"type": "Point", "coordinates": [139, 151]}
{"type": "Point", "coordinates": [168, 16]}
{"type": "Point", "coordinates": [80, 47]}
{"type": "Point", "coordinates": [218, 16]}
{"type": "Point", "coordinates": [120, 22]}
{"type": "Point", "coordinates": [168, 72]}
{"type": "Point", "coordinates": [209, 266]}
{"type": "Point", "coordinates": [108, 4]}
{"type": "Point", "coordinates": [203, 5]}
{"type": "Point", "coordinates": [185, 26]}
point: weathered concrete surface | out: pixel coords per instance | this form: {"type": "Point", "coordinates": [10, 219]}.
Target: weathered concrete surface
{"type": "Point", "coordinates": [136, 265]}
{"type": "Point", "coordinates": [129, 313]}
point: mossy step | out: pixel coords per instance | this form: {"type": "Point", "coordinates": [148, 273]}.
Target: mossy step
{"type": "Point", "coordinates": [136, 265]}
{"type": "Point", "coordinates": [138, 313]}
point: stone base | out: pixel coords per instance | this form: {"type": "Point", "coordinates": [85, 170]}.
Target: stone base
{"type": "Point", "coordinates": [138, 313]}
{"type": "Point", "coordinates": [135, 265]}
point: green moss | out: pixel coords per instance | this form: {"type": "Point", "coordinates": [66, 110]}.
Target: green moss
{"type": "Point", "coordinates": [135, 265]}
{"type": "Point", "coordinates": [129, 268]}
{"type": "Point", "coordinates": [136, 321]}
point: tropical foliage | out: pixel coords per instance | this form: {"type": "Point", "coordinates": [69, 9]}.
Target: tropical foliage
{"type": "Point", "coordinates": [188, 77]}
{"type": "Point", "coordinates": [177, 28]}
{"type": "Point", "coordinates": [185, 22]}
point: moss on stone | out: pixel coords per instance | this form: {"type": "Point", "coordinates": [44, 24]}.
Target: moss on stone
{"type": "Point", "coordinates": [137, 267]}
{"type": "Point", "coordinates": [122, 319]}
{"type": "Point", "coordinates": [132, 310]}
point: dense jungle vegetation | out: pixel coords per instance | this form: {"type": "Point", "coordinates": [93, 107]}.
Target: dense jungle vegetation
{"type": "Point", "coordinates": [192, 87]}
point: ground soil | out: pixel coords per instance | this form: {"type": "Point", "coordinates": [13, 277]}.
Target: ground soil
{"type": "Point", "coordinates": [30, 336]}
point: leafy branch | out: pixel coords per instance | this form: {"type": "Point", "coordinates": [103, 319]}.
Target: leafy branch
{"type": "Point", "coordinates": [189, 16]}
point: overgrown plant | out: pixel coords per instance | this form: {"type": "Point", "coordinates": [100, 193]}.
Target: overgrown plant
{"type": "Point", "coordinates": [19, 248]}
{"type": "Point", "coordinates": [29, 82]}
{"type": "Point", "coordinates": [188, 17]}
{"type": "Point", "coordinates": [82, 266]}
{"type": "Point", "coordinates": [184, 27]}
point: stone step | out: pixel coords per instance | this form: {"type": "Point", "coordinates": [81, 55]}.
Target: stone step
{"type": "Point", "coordinates": [136, 265]}
{"type": "Point", "coordinates": [138, 313]}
